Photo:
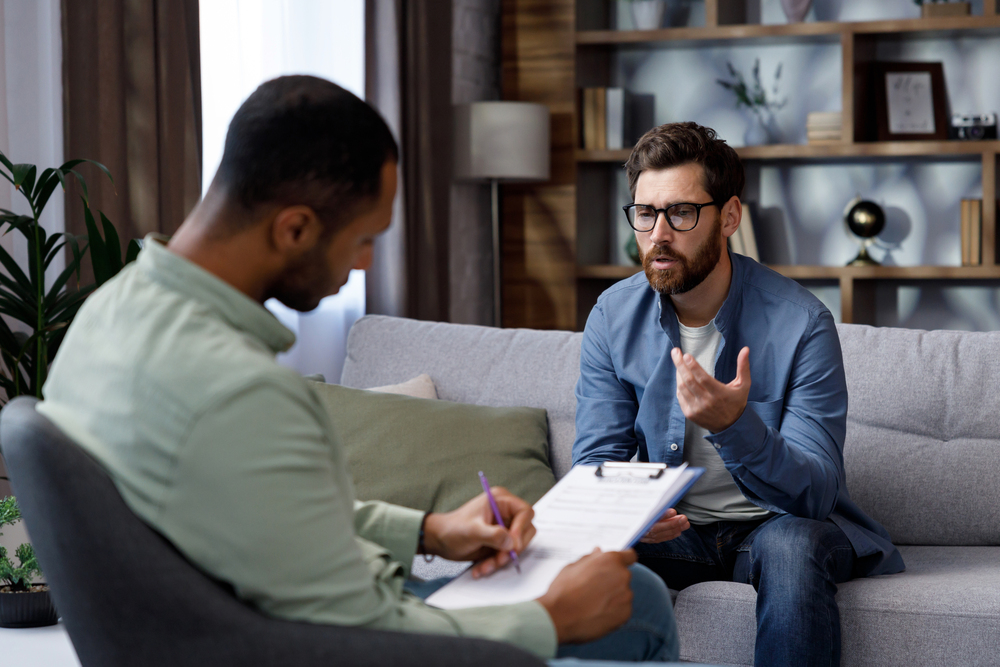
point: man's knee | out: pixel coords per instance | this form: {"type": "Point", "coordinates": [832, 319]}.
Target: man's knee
{"type": "Point", "coordinates": [651, 595]}
{"type": "Point", "coordinates": [798, 547]}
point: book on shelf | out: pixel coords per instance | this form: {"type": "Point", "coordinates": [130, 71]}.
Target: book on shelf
{"type": "Point", "coordinates": [971, 227]}
{"type": "Point", "coordinates": [744, 241]}
{"type": "Point", "coordinates": [823, 127]}
{"type": "Point", "coordinates": [824, 119]}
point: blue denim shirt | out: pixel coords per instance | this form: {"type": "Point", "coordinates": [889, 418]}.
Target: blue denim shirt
{"type": "Point", "coordinates": [786, 450]}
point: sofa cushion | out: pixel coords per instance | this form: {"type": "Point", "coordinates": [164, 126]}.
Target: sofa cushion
{"type": "Point", "coordinates": [944, 609]}
{"type": "Point", "coordinates": [923, 432]}
{"type": "Point", "coordinates": [426, 454]}
{"type": "Point", "coordinates": [477, 365]}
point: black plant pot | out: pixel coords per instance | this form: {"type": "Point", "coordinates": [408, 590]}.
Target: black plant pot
{"type": "Point", "coordinates": [27, 610]}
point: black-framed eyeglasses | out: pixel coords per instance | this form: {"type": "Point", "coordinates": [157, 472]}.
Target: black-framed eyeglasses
{"type": "Point", "coordinates": [681, 217]}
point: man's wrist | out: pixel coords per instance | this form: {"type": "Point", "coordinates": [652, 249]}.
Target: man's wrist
{"type": "Point", "coordinates": [428, 543]}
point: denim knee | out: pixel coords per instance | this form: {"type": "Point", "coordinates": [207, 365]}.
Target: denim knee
{"type": "Point", "coordinates": [794, 546]}
{"type": "Point", "coordinates": [652, 610]}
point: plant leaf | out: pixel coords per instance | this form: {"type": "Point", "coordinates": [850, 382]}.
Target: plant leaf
{"type": "Point", "coordinates": [24, 178]}
{"type": "Point", "coordinates": [83, 186]}
{"type": "Point", "coordinates": [134, 248]}
{"type": "Point", "coordinates": [46, 186]}
{"type": "Point", "coordinates": [98, 251]}
{"type": "Point", "coordinates": [60, 282]}
{"type": "Point", "coordinates": [112, 245]}
{"type": "Point", "coordinates": [14, 270]}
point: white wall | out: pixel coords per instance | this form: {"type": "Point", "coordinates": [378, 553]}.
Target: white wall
{"type": "Point", "coordinates": [30, 125]}
{"type": "Point", "coordinates": [31, 122]}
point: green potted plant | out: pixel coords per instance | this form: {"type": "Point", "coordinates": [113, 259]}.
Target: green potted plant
{"type": "Point", "coordinates": [23, 604]}
{"type": "Point", "coordinates": [754, 97]}
{"type": "Point", "coordinates": [41, 310]}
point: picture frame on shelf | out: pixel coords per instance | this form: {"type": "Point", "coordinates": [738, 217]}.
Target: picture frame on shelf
{"type": "Point", "coordinates": [910, 101]}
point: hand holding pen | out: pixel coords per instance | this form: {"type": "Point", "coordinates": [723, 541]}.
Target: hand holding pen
{"type": "Point", "coordinates": [474, 533]}
{"type": "Point", "coordinates": [496, 515]}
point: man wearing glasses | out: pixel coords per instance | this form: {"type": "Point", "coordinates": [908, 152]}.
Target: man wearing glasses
{"type": "Point", "coordinates": [665, 375]}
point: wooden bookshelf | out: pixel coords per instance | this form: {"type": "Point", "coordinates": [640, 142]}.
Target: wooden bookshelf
{"type": "Point", "coordinates": [549, 280]}
{"type": "Point", "coordinates": [807, 32]}
{"type": "Point", "coordinates": [804, 272]}
{"type": "Point", "coordinates": [890, 149]}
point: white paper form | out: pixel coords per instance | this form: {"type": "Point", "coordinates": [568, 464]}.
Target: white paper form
{"type": "Point", "coordinates": [581, 513]}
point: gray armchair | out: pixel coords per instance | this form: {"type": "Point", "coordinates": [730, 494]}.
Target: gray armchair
{"type": "Point", "coordinates": [127, 597]}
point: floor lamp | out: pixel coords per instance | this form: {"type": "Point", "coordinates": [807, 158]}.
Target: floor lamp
{"type": "Point", "coordinates": [501, 141]}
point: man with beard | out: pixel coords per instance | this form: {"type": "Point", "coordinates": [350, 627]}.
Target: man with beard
{"type": "Point", "coordinates": [665, 375]}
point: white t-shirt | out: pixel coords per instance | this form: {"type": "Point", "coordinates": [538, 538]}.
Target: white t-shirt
{"type": "Point", "coordinates": [714, 497]}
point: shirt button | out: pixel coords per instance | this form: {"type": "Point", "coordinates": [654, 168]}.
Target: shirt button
{"type": "Point", "coordinates": [717, 445]}
{"type": "Point", "coordinates": [673, 447]}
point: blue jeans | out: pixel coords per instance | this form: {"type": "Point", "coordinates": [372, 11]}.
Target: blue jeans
{"type": "Point", "coordinates": [649, 635]}
{"type": "Point", "coordinates": [794, 564]}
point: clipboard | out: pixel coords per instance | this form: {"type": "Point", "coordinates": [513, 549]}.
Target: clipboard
{"type": "Point", "coordinates": [631, 469]}
{"type": "Point", "coordinates": [583, 511]}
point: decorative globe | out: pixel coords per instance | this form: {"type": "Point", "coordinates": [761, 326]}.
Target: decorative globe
{"type": "Point", "coordinates": [866, 219]}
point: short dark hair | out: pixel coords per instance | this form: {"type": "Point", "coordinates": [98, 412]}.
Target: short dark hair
{"type": "Point", "coordinates": [305, 140]}
{"type": "Point", "coordinates": [676, 144]}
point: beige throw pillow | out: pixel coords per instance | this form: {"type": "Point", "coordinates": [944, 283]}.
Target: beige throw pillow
{"type": "Point", "coordinates": [426, 454]}
{"type": "Point", "coordinates": [421, 386]}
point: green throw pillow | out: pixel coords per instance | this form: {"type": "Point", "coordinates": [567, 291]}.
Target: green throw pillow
{"type": "Point", "coordinates": [426, 454]}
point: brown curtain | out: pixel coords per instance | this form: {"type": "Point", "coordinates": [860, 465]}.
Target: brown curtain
{"type": "Point", "coordinates": [409, 66]}
{"type": "Point", "coordinates": [425, 79]}
{"type": "Point", "coordinates": [132, 101]}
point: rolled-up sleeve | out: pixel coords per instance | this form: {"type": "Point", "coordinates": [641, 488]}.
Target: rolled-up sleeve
{"type": "Point", "coordinates": [795, 464]}
{"type": "Point", "coordinates": [263, 501]}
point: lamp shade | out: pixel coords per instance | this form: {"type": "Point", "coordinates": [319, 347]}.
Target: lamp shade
{"type": "Point", "coordinates": [507, 141]}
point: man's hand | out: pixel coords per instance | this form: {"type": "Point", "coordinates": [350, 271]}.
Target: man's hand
{"type": "Point", "coordinates": [470, 532]}
{"type": "Point", "coordinates": [591, 597]}
{"type": "Point", "coordinates": [670, 526]}
{"type": "Point", "coordinates": [706, 401]}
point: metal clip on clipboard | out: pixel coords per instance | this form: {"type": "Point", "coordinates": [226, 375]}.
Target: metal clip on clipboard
{"type": "Point", "coordinates": [630, 469]}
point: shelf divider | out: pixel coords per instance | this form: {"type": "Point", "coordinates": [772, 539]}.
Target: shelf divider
{"type": "Point", "coordinates": [989, 220]}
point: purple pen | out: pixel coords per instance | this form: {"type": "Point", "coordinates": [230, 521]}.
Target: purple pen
{"type": "Point", "coordinates": [496, 513]}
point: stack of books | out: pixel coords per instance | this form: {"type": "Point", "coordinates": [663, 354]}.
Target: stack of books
{"type": "Point", "coordinates": [972, 232]}
{"type": "Point", "coordinates": [613, 118]}
{"type": "Point", "coordinates": [823, 127]}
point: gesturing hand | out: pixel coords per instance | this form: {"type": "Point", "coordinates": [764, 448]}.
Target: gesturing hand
{"type": "Point", "coordinates": [669, 526]}
{"type": "Point", "coordinates": [470, 532]}
{"type": "Point", "coordinates": [706, 401]}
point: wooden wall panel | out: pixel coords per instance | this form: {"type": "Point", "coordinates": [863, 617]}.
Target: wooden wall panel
{"type": "Point", "coordinates": [539, 221]}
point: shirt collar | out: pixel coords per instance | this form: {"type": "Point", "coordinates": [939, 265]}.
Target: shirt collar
{"type": "Point", "coordinates": [727, 312]}
{"type": "Point", "coordinates": [236, 308]}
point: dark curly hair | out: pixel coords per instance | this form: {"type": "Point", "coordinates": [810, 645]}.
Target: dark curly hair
{"type": "Point", "coordinates": [305, 140]}
{"type": "Point", "coordinates": [675, 144]}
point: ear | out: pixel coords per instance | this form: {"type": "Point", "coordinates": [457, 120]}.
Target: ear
{"type": "Point", "coordinates": [732, 214]}
{"type": "Point", "coordinates": [295, 230]}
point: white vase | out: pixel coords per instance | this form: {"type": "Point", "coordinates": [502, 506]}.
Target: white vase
{"type": "Point", "coordinates": [647, 14]}
{"type": "Point", "coordinates": [755, 135]}
{"type": "Point", "coordinates": [795, 10]}
{"type": "Point", "coordinates": [762, 129]}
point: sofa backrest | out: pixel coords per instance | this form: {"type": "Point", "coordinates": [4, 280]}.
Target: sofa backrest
{"type": "Point", "coordinates": [477, 365]}
{"type": "Point", "coordinates": [923, 431]}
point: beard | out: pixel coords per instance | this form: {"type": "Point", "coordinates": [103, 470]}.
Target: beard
{"type": "Point", "coordinates": [304, 284]}
{"type": "Point", "coordinates": [689, 272]}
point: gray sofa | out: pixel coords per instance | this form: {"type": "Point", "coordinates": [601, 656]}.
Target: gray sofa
{"type": "Point", "coordinates": [922, 457]}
